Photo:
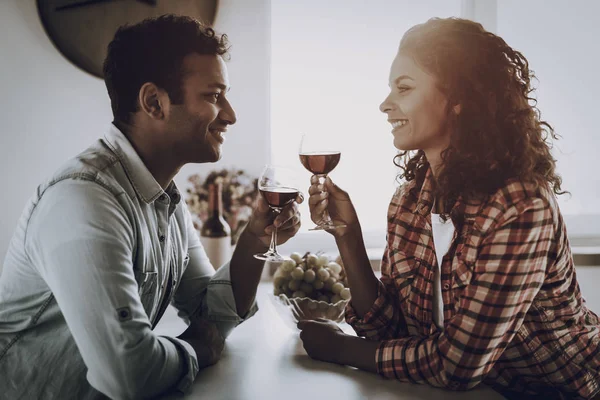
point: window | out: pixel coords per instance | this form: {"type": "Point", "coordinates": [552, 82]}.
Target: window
{"type": "Point", "coordinates": [560, 42]}
{"type": "Point", "coordinates": [329, 73]}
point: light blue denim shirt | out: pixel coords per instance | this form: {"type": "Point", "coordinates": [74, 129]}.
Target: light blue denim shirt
{"type": "Point", "coordinates": [84, 277]}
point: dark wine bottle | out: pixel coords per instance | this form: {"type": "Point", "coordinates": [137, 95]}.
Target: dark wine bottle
{"type": "Point", "coordinates": [215, 234]}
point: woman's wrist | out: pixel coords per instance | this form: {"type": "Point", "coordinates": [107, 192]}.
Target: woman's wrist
{"type": "Point", "coordinates": [358, 352]}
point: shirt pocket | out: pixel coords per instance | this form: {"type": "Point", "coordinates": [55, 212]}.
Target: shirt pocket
{"type": "Point", "coordinates": [146, 278]}
{"type": "Point", "coordinates": [403, 268]}
{"type": "Point", "coordinates": [463, 265]}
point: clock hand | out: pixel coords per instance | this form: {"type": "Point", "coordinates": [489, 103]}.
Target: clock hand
{"type": "Point", "coordinates": [149, 2]}
{"type": "Point", "coordinates": [80, 4]}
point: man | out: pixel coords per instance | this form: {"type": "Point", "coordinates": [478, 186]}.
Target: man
{"type": "Point", "coordinates": [107, 243]}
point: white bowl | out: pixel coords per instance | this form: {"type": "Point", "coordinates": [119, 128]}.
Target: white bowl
{"type": "Point", "coordinates": [293, 310]}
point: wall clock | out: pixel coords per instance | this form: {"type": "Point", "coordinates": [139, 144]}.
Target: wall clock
{"type": "Point", "coordinates": [82, 29]}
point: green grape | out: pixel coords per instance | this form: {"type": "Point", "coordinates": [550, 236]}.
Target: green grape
{"type": "Point", "coordinates": [288, 265]}
{"type": "Point", "coordinates": [318, 284]}
{"type": "Point", "coordinates": [294, 285]}
{"type": "Point", "coordinates": [323, 274]}
{"type": "Point", "coordinates": [335, 267]}
{"type": "Point", "coordinates": [309, 276]}
{"type": "Point", "coordinates": [324, 298]}
{"type": "Point", "coordinates": [330, 282]}
{"type": "Point", "coordinates": [277, 291]}
{"type": "Point", "coordinates": [337, 287]}
{"type": "Point", "coordinates": [306, 288]}
{"type": "Point", "coordinates": [296, 257]}
{"type": "Point", "coordinates": [311, 259]}
{"type": "Point", "coordinates": [322, 261]}
{"type": "Point", "coordinates": [298, 293]}
{"type": "Point", "coordinates": [335, 298]}
{"type": "Point", "coordinates": [279, 281]}
{"type": "Point", "coordinates": [297, 273]}
{"type": "Point", "coordinates": [345, 293]}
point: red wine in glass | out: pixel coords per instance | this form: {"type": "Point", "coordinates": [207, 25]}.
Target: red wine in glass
{"type": "Point", "coordinates": [278, 186]}
{"type": "Point", "coordinates": [320, 162]}
{"type": "Point", "coordinates": [278, 197]}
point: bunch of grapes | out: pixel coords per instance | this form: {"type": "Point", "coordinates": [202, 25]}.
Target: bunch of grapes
{"type": "Point", "coordinates": [313, 276]}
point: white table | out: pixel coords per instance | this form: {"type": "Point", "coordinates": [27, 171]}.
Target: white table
{"type": "Point", "coordinates": [264, 359]}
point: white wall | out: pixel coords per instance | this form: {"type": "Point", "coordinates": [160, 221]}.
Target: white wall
{"type": "Point", "coordinates": [50, 110]}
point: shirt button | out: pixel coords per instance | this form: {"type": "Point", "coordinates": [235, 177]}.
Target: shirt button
{"type": "Point", "coordinates": [161, 238]}
{"type": "Point", "coordinates": [446, 286]}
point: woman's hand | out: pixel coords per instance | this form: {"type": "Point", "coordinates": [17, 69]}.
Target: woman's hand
{"type": "Point", "coordinates": [322, 339]}
{"type": "Point", "coordinates": [330, 197]}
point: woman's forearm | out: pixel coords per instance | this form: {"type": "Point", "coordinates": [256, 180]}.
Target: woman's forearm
{"type": "Point", "coordinates": [361, 278]}
{"type": "Point", "coordinates": [359, 353]}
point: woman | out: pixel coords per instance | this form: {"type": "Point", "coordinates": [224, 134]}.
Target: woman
{"type": "Point", "coordinates": [478, 283]}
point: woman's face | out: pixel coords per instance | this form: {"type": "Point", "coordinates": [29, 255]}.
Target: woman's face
{"type": "Point", "coordinates": [416, 109]}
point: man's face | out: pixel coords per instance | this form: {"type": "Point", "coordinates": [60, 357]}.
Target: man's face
{"type": "Point", "coordinates": [197, 127]}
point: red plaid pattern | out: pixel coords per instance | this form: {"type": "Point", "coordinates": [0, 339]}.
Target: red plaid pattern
{"type": "Point", "coordinates": [514, 316]}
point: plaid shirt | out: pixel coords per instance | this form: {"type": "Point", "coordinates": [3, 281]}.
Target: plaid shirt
{"type": "Point", "coordinates": [514, 316]}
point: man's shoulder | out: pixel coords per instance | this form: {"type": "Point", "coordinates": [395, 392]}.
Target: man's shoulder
{"type": "Point", "coordinates": [97, 164]}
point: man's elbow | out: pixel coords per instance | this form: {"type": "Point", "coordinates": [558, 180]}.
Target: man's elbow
{"type": "Point", "coordinates": [131, 382]}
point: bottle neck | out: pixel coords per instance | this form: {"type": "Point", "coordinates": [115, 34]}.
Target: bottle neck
{"type": "Point", "coordinates": [215, 200]}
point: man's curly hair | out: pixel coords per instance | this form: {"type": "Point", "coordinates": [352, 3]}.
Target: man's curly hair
{"type": "Point", "coordinates": [153, 51]}
{"type": "Point", "coordinates": [498, 133]}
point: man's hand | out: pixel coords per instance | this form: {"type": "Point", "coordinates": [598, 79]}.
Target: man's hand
{"type": "Point", "coordinates": [263, 218]}
{"type": "Point", "coordinates": [206, 340]}
{"type": "Point", "coordinates": [322, 339]}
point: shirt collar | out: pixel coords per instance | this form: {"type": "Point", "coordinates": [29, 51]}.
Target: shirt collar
{"type": "Point", "coordinates": [425, 199]}
{"type": "Point", "coordinates": [143, 182]}
{"type": "Point", "coordinates": [459, 212]}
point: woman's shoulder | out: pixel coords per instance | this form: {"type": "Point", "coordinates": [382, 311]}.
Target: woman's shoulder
{"type": "Point", "coordinates": [516, 191]}
{"type": "Point", "coordinates": [515, 198]}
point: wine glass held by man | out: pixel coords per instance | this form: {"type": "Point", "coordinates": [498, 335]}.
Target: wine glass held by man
{"type": "Point", "coordinates": [477, 282]}
{"type": "Point", "coordinates": [278, 187]}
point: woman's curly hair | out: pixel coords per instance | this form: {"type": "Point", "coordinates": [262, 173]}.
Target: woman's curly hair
{"type": "Point", "coordinates": [498, 133]}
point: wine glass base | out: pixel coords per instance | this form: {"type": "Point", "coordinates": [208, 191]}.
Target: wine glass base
{"type": "Point", "coordinates": [271, 256]}
{"type": "Point", "coordinates": [327, 227]}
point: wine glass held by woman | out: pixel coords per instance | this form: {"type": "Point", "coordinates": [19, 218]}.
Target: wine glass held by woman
{"type": "Point", "coordinates": [319, 154]}
{"type": "Point", "coordinates": [477, 278]}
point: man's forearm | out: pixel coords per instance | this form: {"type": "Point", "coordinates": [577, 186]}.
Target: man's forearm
{"type": "Point", "coordinates": [245, 271]}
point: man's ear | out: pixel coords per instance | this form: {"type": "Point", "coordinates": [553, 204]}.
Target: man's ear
{"type": "Point", "coordinates": [457, 109]}
{"type": "Point", "coordinates": [153, 101]}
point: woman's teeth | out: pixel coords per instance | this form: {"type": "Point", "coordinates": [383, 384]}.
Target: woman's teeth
{"type": "Point", "coordinates": [399, 123]}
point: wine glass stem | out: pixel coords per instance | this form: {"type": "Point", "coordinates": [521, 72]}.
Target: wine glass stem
{"type": "Point", "coordinates": [325, 219]}
{"type": "Point", "coordinates": [273, 245]}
